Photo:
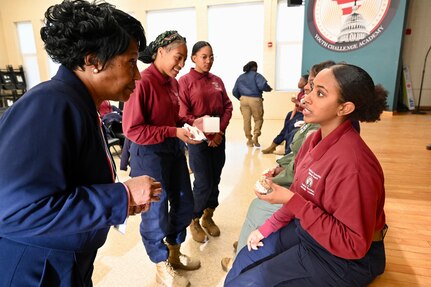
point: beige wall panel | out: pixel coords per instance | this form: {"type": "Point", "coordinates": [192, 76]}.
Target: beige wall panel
{"type": "Point", "coordinates": [4, 59]}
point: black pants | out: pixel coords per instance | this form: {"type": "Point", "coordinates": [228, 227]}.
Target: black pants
{"type": "Point", "coordinates": [207, 165]}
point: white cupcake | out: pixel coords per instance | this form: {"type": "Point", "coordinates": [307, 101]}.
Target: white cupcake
{"type": "Point", "coordinates": [262, 186]}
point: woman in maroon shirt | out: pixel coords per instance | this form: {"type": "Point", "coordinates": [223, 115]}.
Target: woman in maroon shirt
{"type": "Point", "coordinates": [330, 229]}
{"type": "Point", "coordinates": [203, 94]}
{"type": "Point", "coordinates": [152, 123]}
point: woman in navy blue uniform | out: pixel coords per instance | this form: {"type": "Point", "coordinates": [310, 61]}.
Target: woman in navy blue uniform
{"type": "Point", "coordinates": [58, 196]}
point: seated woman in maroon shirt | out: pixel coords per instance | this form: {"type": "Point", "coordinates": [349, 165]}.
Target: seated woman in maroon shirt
{"type": "Point", "coordinates": [330, 229]}
{"type": "Point", "coordinates": [203, 94]}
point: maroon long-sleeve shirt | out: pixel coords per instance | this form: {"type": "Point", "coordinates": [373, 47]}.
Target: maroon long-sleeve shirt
{"type": "Point", "coordinates": [204, 94]}
{"type": "Point", "coordinates": [152, 112]}
{"type": "Point", "coordinates": [339, 193]}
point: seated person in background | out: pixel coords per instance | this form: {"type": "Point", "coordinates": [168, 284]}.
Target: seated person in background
{"type": "Point", "coordinates": [260, 210]}
{"type": "Point", "coordinates": [109, 112]}
{"type": "Point", "coordinates": [112, 118]}
{"type": "Point", "coordinates": [291, 122]}
{"type": "Point", "coordinates": [330, 229]}
{"type": "Point", "coordinates": [106, 108]}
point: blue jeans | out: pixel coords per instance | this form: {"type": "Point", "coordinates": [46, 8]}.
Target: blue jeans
{"type": "Point", "coordinates": [207, 165]}
{"type": "Point", "coordinates": [291, 257]}
{"type": "Point", "coordinates": [289, 130]}
{"type": "Point", "coordinates": [169, 217]}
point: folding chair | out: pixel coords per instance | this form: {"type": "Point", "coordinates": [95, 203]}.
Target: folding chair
{"type": "Point", "coordinates": [112, 140]}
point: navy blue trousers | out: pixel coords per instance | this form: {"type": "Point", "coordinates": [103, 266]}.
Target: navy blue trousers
{"type": "Point", "coordinates": [291, 257]}
{"type": "Point", "coordinates": [289, 130]}
{"type": "Point", "coordinates": [25, 265]}
{"type": "Point", "coordinates": [207, 165]}
{"type": "Point", "coordinates": [168, 218]}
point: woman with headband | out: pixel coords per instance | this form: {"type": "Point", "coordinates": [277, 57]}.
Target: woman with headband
{"type": "Point", "coordinates": [151, 121]}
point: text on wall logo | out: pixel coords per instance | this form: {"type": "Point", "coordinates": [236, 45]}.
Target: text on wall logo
{"type": "Point", "coordinates": [346, 25]}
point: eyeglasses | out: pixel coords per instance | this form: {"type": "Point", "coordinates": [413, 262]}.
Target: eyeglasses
{"type": "Point", "coordinates": [206, 57]}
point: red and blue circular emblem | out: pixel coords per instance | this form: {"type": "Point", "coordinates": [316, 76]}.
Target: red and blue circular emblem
{"type": "Point", "coordinates": [346, 25]}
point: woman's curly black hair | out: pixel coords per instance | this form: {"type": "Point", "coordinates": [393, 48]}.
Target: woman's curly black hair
{"type": "Point", "coordinates": [77, 28]}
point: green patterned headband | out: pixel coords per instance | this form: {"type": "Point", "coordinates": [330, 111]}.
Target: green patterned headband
{"type": "Point", "coordinates": [164, 39]}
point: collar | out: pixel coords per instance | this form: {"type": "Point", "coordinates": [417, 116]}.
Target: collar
{"type": "Point", "coordinates": [197, 76]}
{"type": "Point", "coordinates": [69, 78]}
{"type": "Point", "coordinates": [307, 126]}
{"type": "Point", "coordinates": [319, 146]}
{"type": "Point", "coordinates": [152, 69]}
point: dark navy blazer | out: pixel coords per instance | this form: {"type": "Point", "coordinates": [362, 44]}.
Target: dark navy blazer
{"type": "Point", "coordinates": [56, 184]}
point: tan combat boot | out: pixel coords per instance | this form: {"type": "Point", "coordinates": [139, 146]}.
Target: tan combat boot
{"type": "Point", "coordinates": [198, 233]}
{"type": "Point", "coordinates": [168, 277]}
{"type": "Point", "coordinates": [235, 246]}
{"type": "Point", "coordinates": [226, 263]}
{"type": "Point", "coordinates": [249, 142]}
{"type": "Point", "coordinates": [256, 141]}
{"type": "Point", "coordinates": [208, 222]}
{"type": "Point", "coordinates": [270, 149]}
{"type": "Point", "coordinates": [181, 261]}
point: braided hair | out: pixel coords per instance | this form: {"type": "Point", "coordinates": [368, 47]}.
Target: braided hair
{"type": "Point", "coordinates": [163, 40]}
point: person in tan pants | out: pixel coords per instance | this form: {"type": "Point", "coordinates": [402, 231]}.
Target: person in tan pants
{"type": "Point", "coordinates": [248, 89]}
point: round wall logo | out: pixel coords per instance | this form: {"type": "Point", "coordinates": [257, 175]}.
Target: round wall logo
{"type": "Point", "coordinates": [346, 25]}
